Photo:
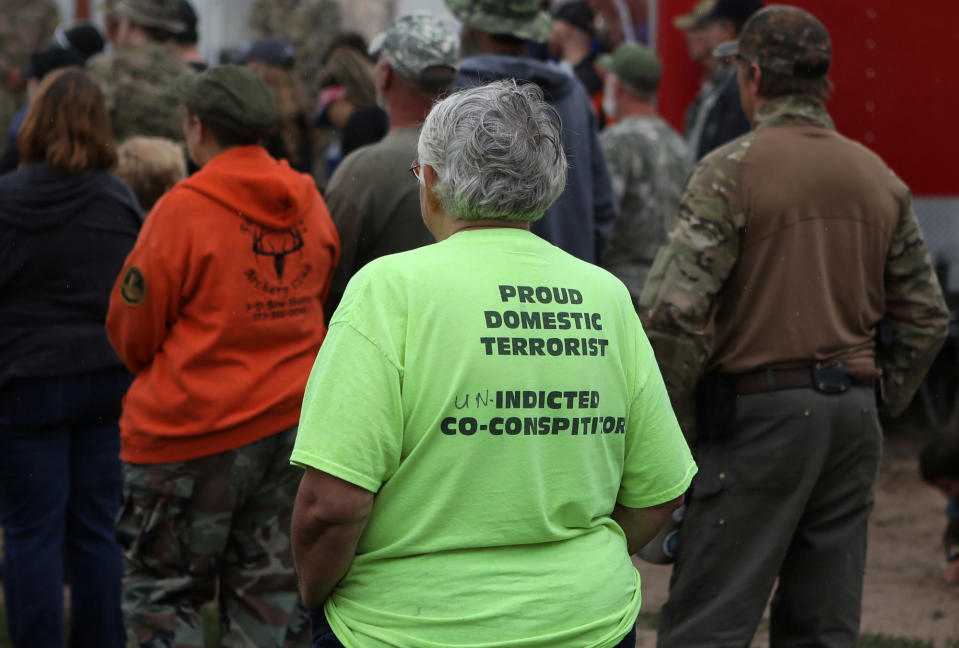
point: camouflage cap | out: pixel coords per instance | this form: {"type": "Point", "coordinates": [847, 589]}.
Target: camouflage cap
{"type": "Point", "coordinates": [159, 14]}
{"type": "Point", "coordinates": [635, 64]}
{"type": "Point", "coordinates": [785, 40]}
{"type": "Point", "coordinates": [419, 46]}
{"type": "Point", "coordinates": [231, 97]}
{"type": "Point", "coordinates": [696, 18]}
{"type": "Point", "coordinates": [519, 18]}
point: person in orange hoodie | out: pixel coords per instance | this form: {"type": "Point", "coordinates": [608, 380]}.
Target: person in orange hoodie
{"type": "Point", "coordinates": [218, 312]}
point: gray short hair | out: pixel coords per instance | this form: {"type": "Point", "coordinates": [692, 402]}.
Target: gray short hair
{"type": "Point", "coordinates": [497, 151]}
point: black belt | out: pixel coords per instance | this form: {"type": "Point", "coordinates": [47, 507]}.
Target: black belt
{"type": "Point", "coordinates": [828, 379]}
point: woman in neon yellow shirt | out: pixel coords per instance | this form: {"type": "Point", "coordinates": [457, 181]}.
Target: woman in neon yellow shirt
{"type": "Point", "coordinates": [486, 434]}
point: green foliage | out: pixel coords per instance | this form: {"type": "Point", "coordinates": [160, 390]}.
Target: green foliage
{"type": "Point", "coordinates": [886, 641]}
{"type": "Point", "coordinates": [211, 626]}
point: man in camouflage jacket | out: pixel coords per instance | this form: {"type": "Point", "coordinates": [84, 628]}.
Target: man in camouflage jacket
{"type": "Point", "coordinates": [311, 25]}
{"type": "Point", "coordinates": [648, 164]}
{"type": "Point", "coordinates": [25, 27]}
{"type": "Point", "coordinates": [137, 75]}
{"type": "Point", "coordinates": [793, 246]}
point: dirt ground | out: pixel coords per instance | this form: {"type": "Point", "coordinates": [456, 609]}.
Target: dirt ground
{"type": "Point", "coordinates": [905, 594]}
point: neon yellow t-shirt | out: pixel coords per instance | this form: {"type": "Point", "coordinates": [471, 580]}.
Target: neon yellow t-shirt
{"type": "Point", "coordinates": [499, 396]}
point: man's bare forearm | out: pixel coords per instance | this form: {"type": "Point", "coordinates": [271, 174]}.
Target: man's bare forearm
{"type": "Point", "coordinates": [328, 519]}
{"type": "Point", "coordinates": [642, 524]}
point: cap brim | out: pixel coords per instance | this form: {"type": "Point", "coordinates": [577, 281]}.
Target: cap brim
{"type": "Point", "coordinates": [376, 45]}
{"type": "Point", "coordinates": [605, 62]}
{"type": "Point", "coordinates": [726, 50]}
{"type": "Point", "coordinates": [175, 26]}
{"type": "Point", "coordinates": [684, 22]}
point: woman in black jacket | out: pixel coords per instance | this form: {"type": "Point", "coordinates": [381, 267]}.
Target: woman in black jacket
{"type": "Point", "coordinates": [66, 226]}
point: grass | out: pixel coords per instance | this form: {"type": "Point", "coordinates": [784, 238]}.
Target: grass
{"type": "Point", "coordinates": [887, 641]}
{"type": "Point", "coordinates": [211, 626]}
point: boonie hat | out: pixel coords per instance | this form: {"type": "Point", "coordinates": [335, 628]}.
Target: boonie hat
{"type": "Point", "coordinates": [578, 14]}
{"type": "Point", "coordinates": [271, 50]}
{"type": "Point", "coordinates": [230, 96]}
{"type": "Point", "coordinates": [420, 47]}
{"type": "Point", "coordinates": [785, 40]}
{"type": "Point", "coordinates": [635, 64]}
{"type": "Point", "coordinates": [160, 14]}
{"type": "Point", "coordinates": [521, 19]}
{"type": "Point", "coordinates": [695, 18]}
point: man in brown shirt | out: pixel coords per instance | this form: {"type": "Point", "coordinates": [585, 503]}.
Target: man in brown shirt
{"type": "Point", "coordinates": [791, 246]}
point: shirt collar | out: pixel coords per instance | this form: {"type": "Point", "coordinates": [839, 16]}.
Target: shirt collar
{"type": "Point", "coordinates": [794, 110]}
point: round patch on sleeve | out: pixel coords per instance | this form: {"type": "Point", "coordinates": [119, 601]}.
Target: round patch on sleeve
{"type": "Point", "coordinates": [133, 288]}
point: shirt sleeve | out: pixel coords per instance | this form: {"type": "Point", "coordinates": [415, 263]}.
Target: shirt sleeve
{"type": "Point", "coordinates": [145, 300]}
{"type": "Point", "coordinates": [351, 424]}
{"type": "Point", "coordinates": [916, 311]}
{"type": "Point", "coordinates": [688, 273]}
{"type": "Point", "coordinates": [658, 465]}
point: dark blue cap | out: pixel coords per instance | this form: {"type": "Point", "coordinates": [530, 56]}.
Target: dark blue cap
{"type": "Point", "coordinates": [271, 50]}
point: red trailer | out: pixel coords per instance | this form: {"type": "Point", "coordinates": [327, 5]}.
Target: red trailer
{"type": "Point", "coordinates": [897, 91]}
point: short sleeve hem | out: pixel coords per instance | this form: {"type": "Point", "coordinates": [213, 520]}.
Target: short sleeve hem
{"type": "Point", "coordinates": [307, 460]}
{"type": "Point", "coordinates": [662, 496]}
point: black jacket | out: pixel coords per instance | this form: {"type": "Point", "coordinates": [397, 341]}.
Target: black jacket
{"type": "Point", "coordinates": [582, 217]}
{"type": "Point", "coordinates": [726, 121]}
{"type": "Point", "coordinates": [62, 242]}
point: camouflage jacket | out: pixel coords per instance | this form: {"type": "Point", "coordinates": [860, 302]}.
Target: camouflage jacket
{"type": "Point", "coordinates": [25, 27]}
{"type": "Point", "coordinates": [690, 283]}
{"type": "Point", "coordinates": [136, 82]}
{"type": "Point", "coordinates": [648, 164]}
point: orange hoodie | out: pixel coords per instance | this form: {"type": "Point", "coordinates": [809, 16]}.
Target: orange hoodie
{"type": "Point", "coordinates": [218, 308]}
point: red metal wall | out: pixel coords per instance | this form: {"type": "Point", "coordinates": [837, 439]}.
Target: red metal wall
{"type": "Point", "coordinates": [896, 75]}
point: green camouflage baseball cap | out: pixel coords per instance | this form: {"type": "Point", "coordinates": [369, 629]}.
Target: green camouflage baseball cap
{"type": "Point", "coordinates": [519, 18]}
{"type": "Point", "coordinates": [637, 66]}
{"type": "Point", "coordinates": [696, 18]}
{"type": "Point", "coordinates": [785, 40]}
{"type": "Point", "coordinates": [419, 46]}
{"type": "Point", "coordinates": [230, 96]}
{"type": "Point", "coordinates": [159, 14]}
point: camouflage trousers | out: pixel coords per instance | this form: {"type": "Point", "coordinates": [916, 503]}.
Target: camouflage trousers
{"type": "Point", "coordinates": [215, 527]}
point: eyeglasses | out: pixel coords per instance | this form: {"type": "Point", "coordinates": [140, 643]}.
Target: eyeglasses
{"type": "Point", "coordinates": [415, 169]}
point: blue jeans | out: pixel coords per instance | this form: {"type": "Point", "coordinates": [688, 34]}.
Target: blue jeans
{"type": "Point", "coordinates": [323, 636]}
{"type": "Point", "coordinates": [60, 488]}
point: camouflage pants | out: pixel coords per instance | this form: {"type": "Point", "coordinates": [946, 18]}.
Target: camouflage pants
{"type": "Point", "coordinates": [217, 526]}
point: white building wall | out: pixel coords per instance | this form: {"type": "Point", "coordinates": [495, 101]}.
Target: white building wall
{"type": "Point", "coordinates": [223, 23]}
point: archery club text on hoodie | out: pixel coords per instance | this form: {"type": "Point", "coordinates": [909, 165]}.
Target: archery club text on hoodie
{"type": "Point", "coordinates": [218, 308]}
